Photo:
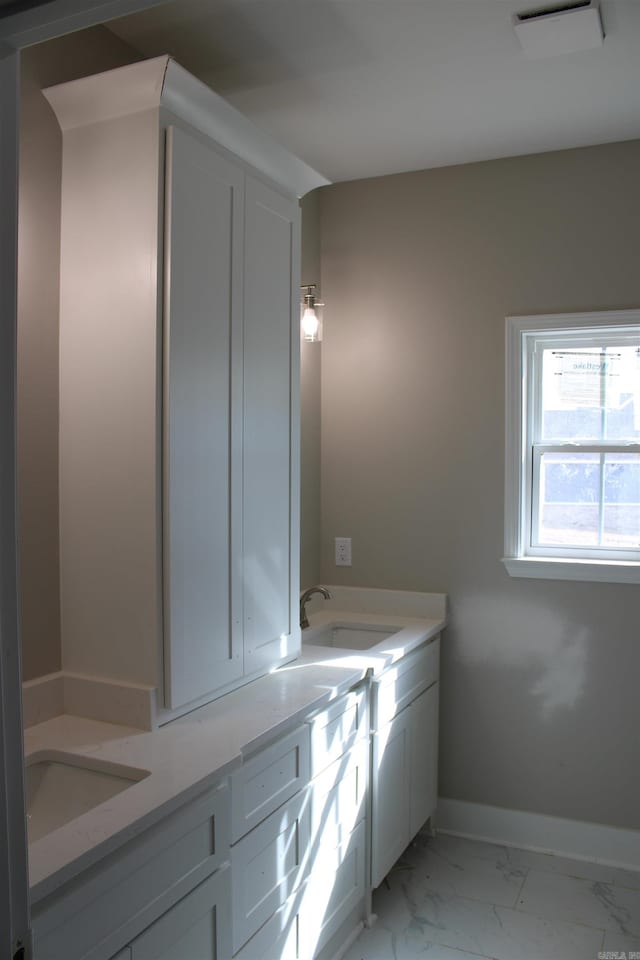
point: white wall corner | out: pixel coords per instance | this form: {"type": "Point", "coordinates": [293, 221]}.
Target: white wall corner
{"type": "Point", "coordinates": [42, 699]}
{"type": "Point", "coordinates": [112, 701]}
{"type": "Point", "coordinates": [97, 698]}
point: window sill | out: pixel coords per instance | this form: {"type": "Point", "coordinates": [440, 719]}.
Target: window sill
{"type": "Point", "coordinates": [546, 568]}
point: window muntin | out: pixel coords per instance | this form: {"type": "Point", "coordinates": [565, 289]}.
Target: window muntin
{"type": "Point", "coordinates": [581, 431]}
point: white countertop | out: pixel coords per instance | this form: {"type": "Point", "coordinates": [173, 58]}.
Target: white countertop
{"type": "Point", "coordinates": [184, 757]}
{"type": "Point", "coordinates": [191, 754]}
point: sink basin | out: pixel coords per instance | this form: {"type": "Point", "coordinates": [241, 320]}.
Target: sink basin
{"type": "Point", "coordinates": [348, 636]}
{"type": "Point", "coordinates": [62, 786]}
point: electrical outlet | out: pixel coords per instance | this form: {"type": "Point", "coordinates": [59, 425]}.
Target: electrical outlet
{"type": "Point", "coordinates": [343, 551]}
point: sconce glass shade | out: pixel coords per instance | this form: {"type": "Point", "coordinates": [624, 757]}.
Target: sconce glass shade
{"type": "Point", "coordinates": [311, 315]}
{"type": "Point", "coordinates": [311, 324]}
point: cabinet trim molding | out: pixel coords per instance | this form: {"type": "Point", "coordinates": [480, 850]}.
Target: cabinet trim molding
{"type": "Point", "coordinates": [208, 112]}
{"type": "Point", "coordinates": [163, 82]}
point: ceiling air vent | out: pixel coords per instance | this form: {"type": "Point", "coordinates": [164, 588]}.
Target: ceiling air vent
{"type": "Point", "coordinates": [562, 28]}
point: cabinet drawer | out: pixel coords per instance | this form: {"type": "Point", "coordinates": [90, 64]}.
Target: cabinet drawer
{"type": "Point", "coordinates": [197, 927]}
{"type": "Point", "coordinates": [335, 729]}
{"type": "Point", "coordinates": [280, 937]}
{"type": "Point", "coordinates": [268, 865]}
{"type": "Point", "coordinates": [267, 780]}
{"type": "Point", "coordinates": [94, 915]}
{"type": "Point", "coordinates": [339, 796]}
{"type": "Point", "coordinates": [310, 917]}
{"type": "Point", "coordinates": [403, 682]}
{"type": "Point", "coordinates": [335, 887]}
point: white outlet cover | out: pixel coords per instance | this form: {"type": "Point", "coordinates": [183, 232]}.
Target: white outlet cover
{"type": "Point", "coordinates": [343, 551]}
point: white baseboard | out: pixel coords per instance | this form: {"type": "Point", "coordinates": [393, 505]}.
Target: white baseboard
{"type": "Point", "coordinates": [535, 831]}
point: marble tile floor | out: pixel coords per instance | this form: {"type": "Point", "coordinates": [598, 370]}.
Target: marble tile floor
{"type": "Point", "coordinates": [454, 899]}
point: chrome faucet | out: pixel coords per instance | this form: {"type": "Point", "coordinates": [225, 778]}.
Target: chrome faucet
{"type": "Point", "coordinates": [304, 597]}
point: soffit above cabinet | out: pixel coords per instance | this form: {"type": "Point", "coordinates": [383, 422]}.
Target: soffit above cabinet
{"type": "Point", "coordinates": [161, 82]}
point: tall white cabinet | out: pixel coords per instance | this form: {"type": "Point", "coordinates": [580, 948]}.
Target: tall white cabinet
{"type": "Point", "coordinates": [179, 360]}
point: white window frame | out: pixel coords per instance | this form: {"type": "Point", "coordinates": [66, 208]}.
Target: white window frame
{"type": "Point", "coordinates": [521, 558]}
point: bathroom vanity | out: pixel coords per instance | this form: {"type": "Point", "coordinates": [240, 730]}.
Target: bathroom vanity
{"type": "Point", "coordinates": [267, 817]}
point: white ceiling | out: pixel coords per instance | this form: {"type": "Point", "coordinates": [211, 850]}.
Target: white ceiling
{"type": "Point", "coordinates": [359, 88]}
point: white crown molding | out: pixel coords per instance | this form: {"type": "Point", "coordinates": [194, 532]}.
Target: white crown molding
{"type": "Point", "coordinates": [105, 96]}
{"type": "Point", "coordinates": [208, 112]}
{"type": "Point", "coordinates": [163, 83]}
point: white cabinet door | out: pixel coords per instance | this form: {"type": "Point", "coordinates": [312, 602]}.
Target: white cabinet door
{"type": "Point", "coordinates": [197, 928]}
{"type": "Point", "coordinates": [391, 777]}
{"type": "Point", "coordinates": [202, 390]}
{"type": "Point", "coordinates": [424, 757]}
{"type": "Point", "coordinates": [271, 392]}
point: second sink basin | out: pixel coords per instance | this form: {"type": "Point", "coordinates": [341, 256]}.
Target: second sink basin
{"type": "Point", "coordinates": [348, 636]}
{"type": "Point", "coordinates": [61, 786]}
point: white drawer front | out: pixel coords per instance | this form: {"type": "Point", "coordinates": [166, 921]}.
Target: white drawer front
{"type": "Point", "coordinates": [335, 887]}
{"type": "Point", "coordinates": [196, 928]}
{"type": "Point", "coordinates": [268, 780]}
{"type": "Point", "coordinates": [310, 917]}
{"type": "Point", "coordinates": [280, 937]}
{"type": "Point", "coordinates": [403, 682]}
{"type": "Point", "coordinates": [268, 865]}
{"type": "Point", "coordinates": [339, 796]}
{"type": "Point", "coordinates": [337, 728]}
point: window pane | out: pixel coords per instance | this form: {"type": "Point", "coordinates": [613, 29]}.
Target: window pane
{"type": "Point", "coordinates": [591, 393]}
{"type": "Point", "coordinates": [621, 528]}
{"type": "Point", "coordinates": [569, 505]}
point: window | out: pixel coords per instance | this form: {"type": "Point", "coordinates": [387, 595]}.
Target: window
{"type": "Point", "coordinates": [572, 495]}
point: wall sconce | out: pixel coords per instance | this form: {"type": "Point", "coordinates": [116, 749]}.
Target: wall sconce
{"type": "Point", "coordinates": [311, 314]}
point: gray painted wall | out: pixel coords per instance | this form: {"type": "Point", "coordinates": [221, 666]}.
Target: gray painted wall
{"type": "Point", "coordinates": [70, 57]}
{"type": "Point", "coordinates": [539, 702]}
{"type": "Point", "coordinates": [310, 367]}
